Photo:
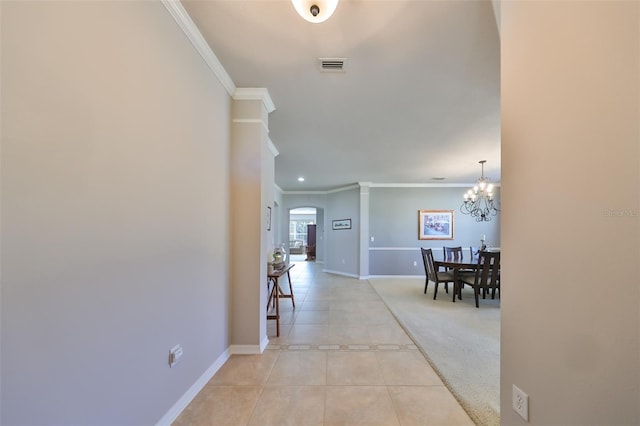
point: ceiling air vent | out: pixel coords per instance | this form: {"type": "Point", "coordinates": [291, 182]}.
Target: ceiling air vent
{"type": "Point", "coordinates": [332, 64]}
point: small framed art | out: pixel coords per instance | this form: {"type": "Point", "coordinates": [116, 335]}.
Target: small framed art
{"type": "Point", "coordinates": [268, 218]}
{"type": "Point", "coordinates": [341, 224]}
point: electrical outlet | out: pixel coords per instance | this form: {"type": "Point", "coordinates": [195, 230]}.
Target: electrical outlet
{"type": "Point", "coordinates": [372, 239]}
{"type": "Point", "coordinates": [520, 403]}
{"type": "Point", "coordinates": [415, 263]}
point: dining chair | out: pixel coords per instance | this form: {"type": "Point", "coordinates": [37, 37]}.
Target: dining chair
{"type": "Point", "coordinates": [432, 274]}
{"type": "Point", "coordinates": [452, 253]}
{"type": "Point", "coordinates": [487, 276]}
{"type": "Point", "coordinates": [474, 251]}
{"type": "Point", "coordinates": [456, 253]}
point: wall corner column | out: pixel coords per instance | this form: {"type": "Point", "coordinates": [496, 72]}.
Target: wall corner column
{"type": "Point", "coordinates": [252, 159]}
{"type": "Point", "coordinates": [363, 267]}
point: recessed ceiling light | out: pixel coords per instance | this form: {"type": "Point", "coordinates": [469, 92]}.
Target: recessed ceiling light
{"type": "Point", "coordinates": [300, 179]}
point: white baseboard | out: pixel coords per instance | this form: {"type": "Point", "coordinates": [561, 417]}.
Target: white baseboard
{"type": "Point", "coordinates": [264, 343]}
{"type": "Point", "coordinates": [246, 349]}
{"type": "Point", "coordinates": [191, 393]}
{"type": "Point", "coordinates": [345, 274]}
{"type": "Point", "coordinates": [396, 276]}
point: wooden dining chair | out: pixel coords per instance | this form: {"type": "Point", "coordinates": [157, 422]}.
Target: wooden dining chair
{"type": "Point", "coordinates": [487, 276]}
{"type": "Point", "coordinates": [456, 253]}
{"type": "Point", "coordinates": [452, 253]}
{"type": "Point", "coordinates": [432, 274]}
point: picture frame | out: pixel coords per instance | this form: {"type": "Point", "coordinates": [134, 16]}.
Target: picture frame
{"type": "Point", "coordinates": [341, 224]}
{"type": "Point", "coordinates": [435, 224]}
{"type": "Point", "coordinates": [268, 218]}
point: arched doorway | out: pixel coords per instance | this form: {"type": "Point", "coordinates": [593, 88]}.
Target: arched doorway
{"type": "Point", "coordinates": [302, 233]}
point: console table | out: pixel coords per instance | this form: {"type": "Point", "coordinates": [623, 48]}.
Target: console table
{"type": "Point", "coordinates": [276, 293]}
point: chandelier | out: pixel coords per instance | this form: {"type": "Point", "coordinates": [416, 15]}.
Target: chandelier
{"type": "Point", "coordinates": [315, 11]}
{"type": "Point", "coordinates": [478, 201]}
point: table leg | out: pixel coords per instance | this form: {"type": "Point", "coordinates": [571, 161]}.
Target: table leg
{"type": "Point", "coordinates": [457, 287]}
{"type": "Point", "coordinates": [277, 315]}
{"type": "Point", "coordinates": [273, 299]}
{"type": "Point", "coordinates": [283, 294]}
{"type": "Point", "coordinates": [291, 290]}
{"type": "Point", "coordinates": [455, 284]}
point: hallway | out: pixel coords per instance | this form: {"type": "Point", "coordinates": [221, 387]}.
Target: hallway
{"type": "Point", "coordinates": [341, 359]}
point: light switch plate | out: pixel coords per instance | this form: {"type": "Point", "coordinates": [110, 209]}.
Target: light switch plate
{"type": "Point", "coordinates": [175, 354]}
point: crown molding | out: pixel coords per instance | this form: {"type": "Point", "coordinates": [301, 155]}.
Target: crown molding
{"type": "Point", "coordinates": [184, 21]}
{"type": "Point", "coordinates": [272, 148]}
{"type": "Point", "coordinates": [420, 185]}
{"type": "Point", "coordinates": [385, 185]}
{"type": "Point", "coordinates": [344, 188]}
{"type": "Point", "coordinates": [321, 192]}
{"type": "Point", "coordinates": [426, 185]}
{"type": "Point", "coordinates": [255, 94]}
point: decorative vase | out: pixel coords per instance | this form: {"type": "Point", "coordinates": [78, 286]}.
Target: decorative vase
{"type": "Point", "coordinates": [279, 256]}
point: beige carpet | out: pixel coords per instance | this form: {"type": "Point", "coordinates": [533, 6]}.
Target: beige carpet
{"type": "Point", "coordinates": [461, 342]}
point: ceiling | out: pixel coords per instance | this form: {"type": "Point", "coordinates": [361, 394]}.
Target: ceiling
{"type": "Point", "coordinates": [419, 97]}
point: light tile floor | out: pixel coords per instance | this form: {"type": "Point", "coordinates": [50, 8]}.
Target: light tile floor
{"type": "Point", "coordinates": [341, 359]}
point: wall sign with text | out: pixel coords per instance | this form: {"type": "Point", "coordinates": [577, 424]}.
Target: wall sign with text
{"type": "Point", "coordinates": [341, 224]}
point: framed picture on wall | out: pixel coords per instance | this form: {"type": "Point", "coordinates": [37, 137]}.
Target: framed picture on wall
{"type": "Point", "coordinates": [341, 224]}
{"type": "Point", "coordinates": [268, 218]}
{"type": "Point", "coordinates": [435, 224]}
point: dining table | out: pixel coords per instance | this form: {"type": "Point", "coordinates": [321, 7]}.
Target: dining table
{"type": "Point", "coordinates": [464, 263]}
{"type": "Point", "coordinates": [456, 264]}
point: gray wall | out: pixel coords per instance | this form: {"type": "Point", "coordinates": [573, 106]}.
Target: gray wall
{"type": "Point", "coordinates": [341, 251]}
{"type": "Point", "coordinates": [393, 215]}
{"type": "Point", "coordinates": [114, 211]}
{"type": "Point", "coordinates": [571, 212]}
{"type": "Point", "coordinates": [393, 223]}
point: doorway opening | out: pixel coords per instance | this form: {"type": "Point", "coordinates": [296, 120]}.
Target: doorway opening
{"type": "Point", "coordinates": [302, 234]}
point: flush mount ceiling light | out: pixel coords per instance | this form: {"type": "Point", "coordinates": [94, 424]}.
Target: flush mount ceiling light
{"type": "Point", "coordinates": [315, 11]}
